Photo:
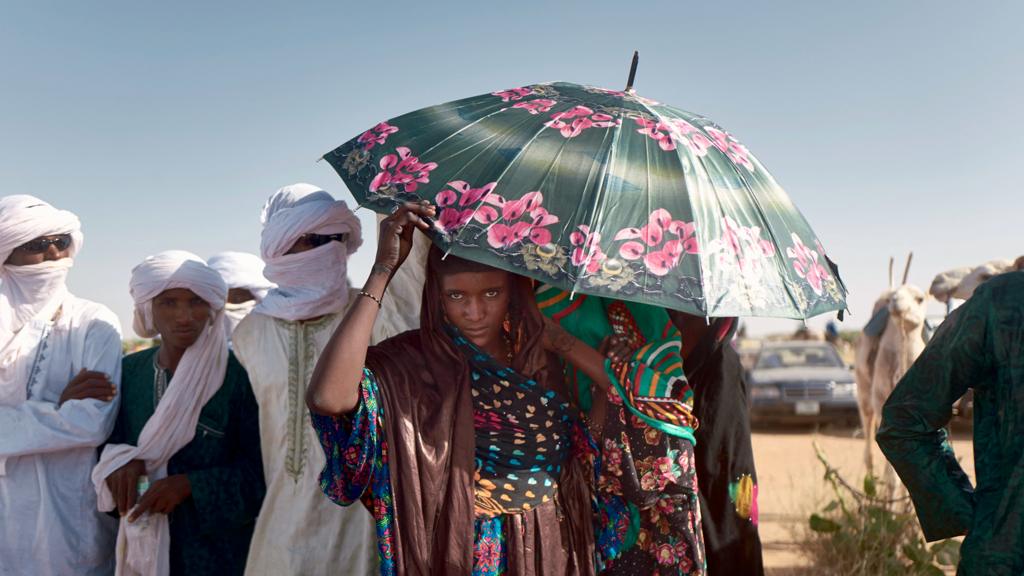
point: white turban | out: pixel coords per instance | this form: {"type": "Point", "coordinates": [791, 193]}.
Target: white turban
{"type": "Point", "coordinates": [315, 282]}
{"type": "Point", "coordinates": [240, 270]}
{"type": "Point", "coordinates": [30, 296]}
{"type": "Point", "coordinates": [143, 547]}
{"type": "Point", "coordinates": [37, 290]}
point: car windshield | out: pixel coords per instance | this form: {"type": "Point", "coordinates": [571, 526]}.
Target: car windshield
{"type": "Point", "coordinates": [799, 357]}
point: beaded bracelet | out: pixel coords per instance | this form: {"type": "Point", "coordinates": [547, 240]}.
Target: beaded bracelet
{"type": "Point", "coordinates": [371, 297]}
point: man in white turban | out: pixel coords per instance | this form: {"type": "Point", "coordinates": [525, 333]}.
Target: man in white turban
{"type": "Point", "coordinates": [60, 361]}
{"type": "Point", "coordinates": [183, 466]}
{"type": "Point", "coordinates": [243, 273]}
{"type": "Point", "coordinates": [307, 239]}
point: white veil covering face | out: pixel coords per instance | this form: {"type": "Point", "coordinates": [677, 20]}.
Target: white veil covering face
{"type": "Point", "coordinates": [315, 282]}
{"type": "Point", "coordinates": [30, 296]}
{"type": "Point", "coordinates": [143, 547]}
{"type": "Point", "coordinates": [241, 270]}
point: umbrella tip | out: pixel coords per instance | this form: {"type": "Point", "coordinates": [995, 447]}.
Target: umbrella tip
{"type": "Point", "coordinates": [632, 71]}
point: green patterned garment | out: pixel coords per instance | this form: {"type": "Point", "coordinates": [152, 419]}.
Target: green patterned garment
{"type": "Point", "coordinates": [651, 383]}
{"type": "Point", "coordinates": [981, 346]}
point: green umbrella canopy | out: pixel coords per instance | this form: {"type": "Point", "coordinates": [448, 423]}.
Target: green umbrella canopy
{"type": "Point", "coordinates": [602, 192]}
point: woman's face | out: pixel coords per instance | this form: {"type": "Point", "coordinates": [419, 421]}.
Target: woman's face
{"type": "Point", "coordinates": [477, 303]}
{"type": "Point", "coordinates": [180, 316]}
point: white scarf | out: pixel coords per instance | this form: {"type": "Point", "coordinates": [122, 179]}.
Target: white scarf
{"type": "Point", "coordinates": [30, 296]}
{"type": "Point", "coordinates": [315, 282]}
{"type": "Point", "coordinates": [143, 546]}
{"type": "Point", "coordinates": [235, 313]}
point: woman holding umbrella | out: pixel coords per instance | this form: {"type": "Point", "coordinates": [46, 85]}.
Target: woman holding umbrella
{"type": "Point", "coordinates": [453, 435]}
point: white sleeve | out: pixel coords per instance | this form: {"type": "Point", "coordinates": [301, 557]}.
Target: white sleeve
{"type": "Point", "coordinates": [36, 426]}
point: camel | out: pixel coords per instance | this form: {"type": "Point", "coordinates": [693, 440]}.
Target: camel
{"type": "Point", "coordinates": [980, 275]}
{"type": "Point", "coordinates": [883, 359]}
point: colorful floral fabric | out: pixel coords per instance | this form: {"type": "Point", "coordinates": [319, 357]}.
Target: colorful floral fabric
{"type": "Point", "coordinates": [357, 465]}
{"type": "Point", "coordinates": [649, 514]}
{"type": "Point", "coordinates": [654, 475]}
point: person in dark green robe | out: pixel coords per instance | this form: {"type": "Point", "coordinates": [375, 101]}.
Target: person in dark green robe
{"type": "Point", "coordinates": [214, 485]}
{"type": "Point", "coordinates": [210, 529]}
{"type": "Point", "coordinates": [981, 346]}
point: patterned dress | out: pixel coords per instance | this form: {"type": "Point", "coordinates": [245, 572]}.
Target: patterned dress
{"type": "Point", "coordinates": [523, 434]}
{"type": "Point", "coordinates": [650, 514]}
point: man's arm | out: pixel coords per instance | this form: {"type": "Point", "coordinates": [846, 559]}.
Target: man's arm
{"type": "Point", "coordinates": [912, 435]}
{"type": "Point", "coordinates": [37, 426]}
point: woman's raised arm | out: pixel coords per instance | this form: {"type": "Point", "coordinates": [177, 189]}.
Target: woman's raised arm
{"type": "Point", "coordinates": [334, 387]}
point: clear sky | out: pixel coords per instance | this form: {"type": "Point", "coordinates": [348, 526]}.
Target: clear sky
{"type": "Point", "coordinates": [894, 125]}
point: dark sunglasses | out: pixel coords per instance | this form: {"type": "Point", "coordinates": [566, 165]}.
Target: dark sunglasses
{"type": "Point", "coordinates": [40, 245]}
{"type": "Point", "coordinates": [317, 240]}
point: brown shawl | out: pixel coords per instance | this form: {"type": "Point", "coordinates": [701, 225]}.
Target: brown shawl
{"type": "Point", "coordinates": [428, 415]}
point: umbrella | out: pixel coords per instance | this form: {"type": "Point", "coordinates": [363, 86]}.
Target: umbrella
{"type": "Point", "coordinates": [603, 192]}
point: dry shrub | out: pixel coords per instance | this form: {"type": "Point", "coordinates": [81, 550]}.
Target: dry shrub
{"type": "Point", "coordinates": [859, 533]}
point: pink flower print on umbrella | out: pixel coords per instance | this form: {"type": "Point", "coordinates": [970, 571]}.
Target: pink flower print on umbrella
{"type": "Point", "coordinates": [806, 266]}
{"type": "Point", "coordinates": [451, 219]}
{"type": "Point", "coordinates": [572, 123]}
{"type": "Point", "coordinates": [646, 242]}
{"type": "Point", "coordinates": [376, 135]}
{"type": "Point", "coordinates": [503, 235]}
{"type": "Point", "coordinates": [674, 131]}
{"type": "Point", "coordinates": [742, 246]}
{"type": "Point", "coordinates": [533, 220]}
{"type": "Point", "coordinates": [658, 131]}
{"type": "Point", "coordinates": [401, 169]}
{"type": "Point", "coordinates": [536, 106]}
{"type": "Point", "coordinates": [725, 142]}
{"type": "Point", "coordinates": [457, 205]}
{"type": "Point", "coordinates": [513, 94]}
{"type": "Point", "coordinates": [586, 249]}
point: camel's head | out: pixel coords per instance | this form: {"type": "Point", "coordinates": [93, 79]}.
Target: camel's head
{"type": "Point", "coordinates": [980, 275]}
{"type": "Point", "coordinates": [907, 305]}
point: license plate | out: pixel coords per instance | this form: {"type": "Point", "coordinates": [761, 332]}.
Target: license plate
{"type": "Point", "coordinates": [807, 408]}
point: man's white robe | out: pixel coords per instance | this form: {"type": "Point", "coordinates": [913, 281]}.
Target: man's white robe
{"type": "Point", "coordinates": [49, 524]}
{"type": "Point", "coordinates": [299, 531]}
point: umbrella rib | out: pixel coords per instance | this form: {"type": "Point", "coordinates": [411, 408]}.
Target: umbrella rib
{"type": "Point", "coordinates": [606, 163]}
{"type": "Point", "coordinates": [680, 150]}
{"type": "Point", "coordinates": [464, 128]}
{"type": "Point", "coordinates": [779, 264]}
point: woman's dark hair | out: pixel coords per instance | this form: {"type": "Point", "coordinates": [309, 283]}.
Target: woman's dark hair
{"type": "Point", "coordinates": [526, 324]}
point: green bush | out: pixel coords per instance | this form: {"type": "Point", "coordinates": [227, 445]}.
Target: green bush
{"type": "Point", "coordinates": [859, 533]}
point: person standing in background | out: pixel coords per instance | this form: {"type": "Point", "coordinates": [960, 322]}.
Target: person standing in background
{"type": "Point", "coordinates": [243, 273]}
{"type": "Point", "coordinates": [306, 241]}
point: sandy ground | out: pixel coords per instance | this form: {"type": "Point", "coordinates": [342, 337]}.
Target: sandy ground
{"type": "Point", "coordinates": [791, 486]}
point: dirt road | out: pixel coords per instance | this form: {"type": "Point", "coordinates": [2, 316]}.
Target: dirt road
{"type": "Point", "coordinates": [791, 486]}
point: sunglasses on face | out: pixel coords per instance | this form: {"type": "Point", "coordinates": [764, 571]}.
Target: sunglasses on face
{"type": "Point", "coordinates": [40, 245]}
{"type": "Point", "coordinates": [317, 240]}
